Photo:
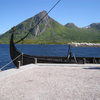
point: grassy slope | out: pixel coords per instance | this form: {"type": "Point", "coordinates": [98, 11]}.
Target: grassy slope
{"type": "Point", "coordinates": [56, 34]}
{"type": "Point", "coordinates": [63, 35]}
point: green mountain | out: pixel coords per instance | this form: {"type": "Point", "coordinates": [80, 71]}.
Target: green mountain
{"type": "Point", "coordinates": [71, 25]}
{"type": "Point", "coordinates": [95, 25]}
{"type": "Point", "coordinates": [50, 31]}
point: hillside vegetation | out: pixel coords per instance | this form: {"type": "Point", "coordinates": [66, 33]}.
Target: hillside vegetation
{"type": "Point", "coordinates": [50, 31]}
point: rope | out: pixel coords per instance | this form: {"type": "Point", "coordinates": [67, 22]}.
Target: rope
{"type": "Point", "coordinates": [10, 62]}
{"type": "Point", "coordinates": [40, 20]}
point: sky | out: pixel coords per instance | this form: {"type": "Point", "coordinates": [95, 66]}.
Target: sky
{"type": "Point", "coordinates": [80, 12]}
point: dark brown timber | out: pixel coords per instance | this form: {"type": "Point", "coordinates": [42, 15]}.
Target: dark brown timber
{"type": "Point", "coordinates": [25, 59]}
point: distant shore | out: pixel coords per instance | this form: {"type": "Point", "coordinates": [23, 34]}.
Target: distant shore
{"type": "Point", "coordinates": [76, 44]}
{"type": "Point", "coordinates": [85, 44]}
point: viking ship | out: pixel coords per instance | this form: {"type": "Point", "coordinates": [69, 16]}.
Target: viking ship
{"type": "Point", "coordinates": [25, 59]}
{"type": "Point", "coordinates": [20, 58]}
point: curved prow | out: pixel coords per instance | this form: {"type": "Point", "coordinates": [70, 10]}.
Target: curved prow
{"type": "Point", "coordinates": [18, 57]}
{"type": "Point", "coordinates": [14, 53]}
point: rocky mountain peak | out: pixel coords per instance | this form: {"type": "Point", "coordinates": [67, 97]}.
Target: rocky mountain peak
{"type": "Point", "coordinates": [34, 25]}
{"type": "Point", "coordinates": [42, 15]}
{"type": "Point", "coordinates": [95, 25]}
{"type": "Point", "coordinates": [70, 25]}
{"type": "Point", "coordinates": [43, 19]}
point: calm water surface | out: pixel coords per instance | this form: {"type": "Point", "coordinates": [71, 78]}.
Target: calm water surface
{"type": "Point", "coordinates": [46, 50]}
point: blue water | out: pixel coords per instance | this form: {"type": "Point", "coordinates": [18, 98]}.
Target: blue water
{"type": "Point", "coordinates": [46, 50]}
{"type": "Point", "coordinates": [5, 57]}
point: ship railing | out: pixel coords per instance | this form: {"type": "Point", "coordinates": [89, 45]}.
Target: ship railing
{"type": "Point", "coordinates": [10, 62]}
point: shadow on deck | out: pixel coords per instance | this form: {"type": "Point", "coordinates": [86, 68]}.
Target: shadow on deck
{"type": "Point", "coordinates": [93, 68]}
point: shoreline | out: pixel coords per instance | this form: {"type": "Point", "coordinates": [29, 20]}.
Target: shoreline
{"type": "Point", "coordinates": [76, 44]}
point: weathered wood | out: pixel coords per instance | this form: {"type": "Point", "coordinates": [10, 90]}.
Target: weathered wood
{"type": "Point", "coordinates": [28, 59]}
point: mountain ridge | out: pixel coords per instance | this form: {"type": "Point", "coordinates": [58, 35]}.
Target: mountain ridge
{"type": "Point", "coordinates": [49, 31]}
